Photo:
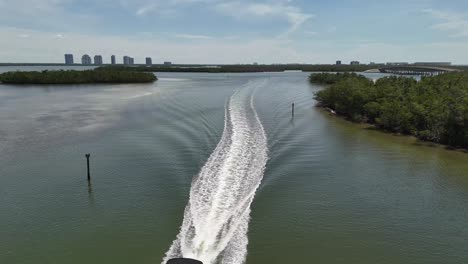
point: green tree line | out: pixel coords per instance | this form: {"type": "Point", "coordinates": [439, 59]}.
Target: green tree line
{"type": "Point", "coordinates": [433, 109]}
{"type": "Point", "coordinates": [327, 78]}
{"type": "Point", "coordinates": [243, 68]}
{"type": "Point", "coordinates": [76, 77]}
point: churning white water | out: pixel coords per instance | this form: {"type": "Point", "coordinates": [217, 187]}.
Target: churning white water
{"type": "Point", "coordinates": [215, 225]}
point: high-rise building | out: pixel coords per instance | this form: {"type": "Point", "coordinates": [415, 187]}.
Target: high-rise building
{"type": "Point", "coordinates": [355, 63]}
{"type": "Point", "coordinates": [167, 63]}
{"type": "Point", "coordinates": [149, 62]}
{"type": "Point", "coordinates": [68, 58]}
{"type": "Point", "coordinates": [338, 62]}
{"type": "Point", "coordinates": [126, 60]}
{"type": "Point", "coordinates": [98, 59]}
{"type": "Point", "coordinates": [86, 60]}
{"type": "Point", "coordinates": [113, 59]}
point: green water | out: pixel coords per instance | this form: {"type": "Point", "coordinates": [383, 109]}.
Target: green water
{"type": "Point", "coordinates": [332, 192]}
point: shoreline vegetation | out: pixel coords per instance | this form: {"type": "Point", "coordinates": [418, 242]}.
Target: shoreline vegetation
{"type": "Point", "coordinates": [236, 68]}
{"type": "Point", "coordinates": [262, 68]}
{"type": "Point", "coordinates": [242, 68]}
{"type": "Point", "coordinates": [76, 77]}
{"type": "Point", "coordinates": [434, 109]}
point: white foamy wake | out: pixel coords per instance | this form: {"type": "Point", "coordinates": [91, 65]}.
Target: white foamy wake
{"type": "Point", "coordinates": [215, 225]}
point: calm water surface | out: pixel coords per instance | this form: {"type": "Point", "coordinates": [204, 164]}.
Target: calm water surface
{"type": "Point", "coordinates": [332, 192]}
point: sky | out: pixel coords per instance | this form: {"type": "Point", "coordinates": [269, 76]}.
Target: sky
{"type": "Point", "coordinates": [235, 31]}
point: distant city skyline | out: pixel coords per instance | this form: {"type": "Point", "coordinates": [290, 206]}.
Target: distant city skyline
{"type": "Point", "coordinates": [98, 60]}
{"type": "Point", "coordinates": [127, 60]}
{"type": "Point", "coordinates": [236, 31]}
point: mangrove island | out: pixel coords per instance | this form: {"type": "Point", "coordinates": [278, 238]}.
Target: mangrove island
{"type": "Point", "coordinates": [76, 77]}
{"type": "Point", "coordinates": [433, 109]}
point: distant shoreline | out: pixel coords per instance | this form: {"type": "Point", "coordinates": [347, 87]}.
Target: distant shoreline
{"type": "Point", "coordinates": [76, 77]}
{"type": "Point", "coordinates": [242, 68]}
{"type": "Point", "coordinates": [224, 68]}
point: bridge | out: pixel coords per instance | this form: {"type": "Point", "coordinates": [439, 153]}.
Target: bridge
{"type": "Point", "coordinates": [416, 70]}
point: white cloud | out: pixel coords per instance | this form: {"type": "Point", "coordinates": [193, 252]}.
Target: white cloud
{"type": "Point", "coordinates": [28, 9]}
{"type": "Point", "coordinates": [45, 33]}
{"type": "Point", "coordinates": [50, 14]}
{"type": "Point", "coordinates": [439, 51]}
{"type": "Point", "coordinates": [33, 6]}
{"type": "Point", "coordinates": [149, 6]}
{"type": "Point", "coordinates": [146, 9]}
{"type": "Point", "coordinates": [454, 23]}
{"type": "Point", "coordinates": [292, 14]}
{"type": "Point", "coordinates": [311, 33]}
{"type": "Point", "coordinates": [47, 48]}
{"type": "Point", "coordinates": [193, 37]}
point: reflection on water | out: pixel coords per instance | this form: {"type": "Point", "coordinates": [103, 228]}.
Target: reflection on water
{"type": "Point", "coordinates": [90, 194]}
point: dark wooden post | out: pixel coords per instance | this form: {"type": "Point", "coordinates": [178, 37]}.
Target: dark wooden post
{"type": "Point", "coordinates": [292, 108]}
{"type": "Point", "coordinates": [87, 163]}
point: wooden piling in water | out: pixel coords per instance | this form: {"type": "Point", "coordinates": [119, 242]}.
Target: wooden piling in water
{"type": "Point", "coordinates": [292, 109]}
{"type": "Point", "coordinates": [87, 163]}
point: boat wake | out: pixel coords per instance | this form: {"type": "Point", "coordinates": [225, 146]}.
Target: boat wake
{"type": "Point", "coordinates": [215, 224]}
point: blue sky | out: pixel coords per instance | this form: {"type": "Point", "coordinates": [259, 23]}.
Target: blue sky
{"type": "Point", "coordinates": [237, 31]}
